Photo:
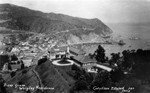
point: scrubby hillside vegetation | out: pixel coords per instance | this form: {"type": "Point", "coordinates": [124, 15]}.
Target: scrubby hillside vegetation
{"type": "Point", "coordinates": [20, 18]}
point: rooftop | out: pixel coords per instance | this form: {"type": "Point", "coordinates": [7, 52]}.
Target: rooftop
{"type": "Point", "coordinates": [85, 59]}
{"type": "Point", "coordinates": [58, 49]}
{"type": "Point", "coordinates": [88, 59]}
{"type": "Point", "coordinates": [76, 51]}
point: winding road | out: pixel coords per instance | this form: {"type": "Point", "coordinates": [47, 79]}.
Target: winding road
{"type": "Point", "coordinates": [34, 62]}
{"type": "Point", "coordinates": [38, 77]}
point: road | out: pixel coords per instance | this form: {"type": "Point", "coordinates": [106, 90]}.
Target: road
{"type": "Point", "coordinates": [38, 77]}
{"type": "Point", "coordinates": [34, 62]}
{"type": "Point", "coordinates": [55, 62]}
{"type": "Point", "coordinates": [38, 56]}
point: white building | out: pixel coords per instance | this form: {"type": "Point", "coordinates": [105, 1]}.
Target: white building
{"type": "Point", "coordinates": [27, 61]}
{"type": "Point", "coordinates": [15, 50]}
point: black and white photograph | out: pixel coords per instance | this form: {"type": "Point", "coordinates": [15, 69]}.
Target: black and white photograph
{"type": "Point", "coordinates": [74, 46]}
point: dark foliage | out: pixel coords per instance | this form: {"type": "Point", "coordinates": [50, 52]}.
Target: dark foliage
{"type": "Point", "coordinates": [20, 82]}
{"type": "Point", "coordinates": [3, 59]}
{"type": "Point", "coordinates": [13, 74]}
{"type": "Point", "coordinates": [14, 57]}
{"type": "Point", "coordinates": [43, 60]}
{"type": "Point", "coordinates": [116, 75]}
{"type": "Point", "coordinates": [83, 79]}
{"type": "Point", "coordinates": [9, 66]}
{"type": "Point", "coordinates": [22, 66]}
{"type": "Point", "coordinates": [24, 71]}
{"type": "Point", "coordinates": [2, 87]}
{"type": "Point", "coordinates": [100, 54]}
{"type": "Point", "coordinates": [134, 63]}
{"type": "Point", "coordinates": [114, 58]}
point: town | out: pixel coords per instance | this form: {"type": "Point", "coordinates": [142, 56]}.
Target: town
{"type": "Point", "coordinates": [27, 54]}
{"type": "Point", "coordinates": [42, 56]}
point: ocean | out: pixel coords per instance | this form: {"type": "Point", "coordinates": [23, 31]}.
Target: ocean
{"type": "Point", "coordinates": [122, 31]}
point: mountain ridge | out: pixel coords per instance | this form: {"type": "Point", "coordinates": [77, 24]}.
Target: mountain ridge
{"type": "Point", "coordinates": [21, 18]}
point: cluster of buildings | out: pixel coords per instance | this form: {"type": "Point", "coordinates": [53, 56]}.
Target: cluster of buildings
{"type": "Point", "coordinates": [79, 57]}
{"type": "Point", "coordinates": [24, 53]}
{"type": "Point", "coordinates": [28, 51]}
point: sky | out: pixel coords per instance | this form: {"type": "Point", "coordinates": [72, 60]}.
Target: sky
{"type": "Point", "coordinates": [109, 11]}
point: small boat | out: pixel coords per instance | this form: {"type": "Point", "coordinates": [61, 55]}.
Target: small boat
{"type": "Point", "coordinates": [134, 38]}
{"type": "Point", "coordinates": [121, 42]}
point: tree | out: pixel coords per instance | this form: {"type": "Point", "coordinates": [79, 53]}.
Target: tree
{"type": "Point", "coordinates": [2, 87]}
{"type": "Point", "coordinates": [81, 85]}
{"type": "Point", "coordinates": [14, 57]}
{"type": "Point", "coordinates": [24, 71]}
{"type": "Point", "coordinates": [42, 60]}
{"type": "Point", "coordinates": [9, 66]}
{"type": "Point", "coordinates": [3, 59]}
{"type": "Point", "coordinates": [75, 68]}
{"type": "Point", "coordinates": [100, 54]}
{"type": "Point", "coordinates": [83, 79]}
{"type": "Point", "coordinates": [102, 79]}
{"type": "Point", "coordinates": [117, 75]}
{"type": "Point", "coordinates": [127, 59]}
{"type": "Point", "coordinates": [13, 74]}
{"type": "Point", "coordinates": [22, 66]}
{"type": "Point", "coordinates": [114, 58]}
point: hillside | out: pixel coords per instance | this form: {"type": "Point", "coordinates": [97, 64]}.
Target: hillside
{"type": "Point", "coordinates": [51, 76]}
{"type": "Point", "coordinates": [54, 76]}
{"type": "Point", "coordinates": [22, 77]}
{"type": "Point", "coordinates": [21, 18]}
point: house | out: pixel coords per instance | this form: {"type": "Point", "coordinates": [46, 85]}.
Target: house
{"type": "Point", "coordinates": [2, 49]}
{"type": "Point", "coordinates": [25, 43]}
{"type": "Point", "coordinates": [27, 61]}
{"type": "Point", "coordinates": [15, 50]}
{"type": "Point", "coordinates": [14, 66]}
{"type": "Point", "coordinates": [35, 50]}
{"type": "Point", "coordinates": [21, 54]}
{"type": "Point", "coordinates": [5, 67]}
{"type": "Point", "coordinates": [89, 63]}
{"type": "Point", "coordinates": [57, 52]}
{"type": "Point", "coordinates": [25, 48]}
{"type": "Point", "coordinates": [47, 39]}
{"type": "Point", "coordinates": [26, 53]}
{"type": "Point", "coordinates": [86, 62]}
{"type": "Point", "coordinates": [92, 69]}
{"type": "Point", "coordinates": [35, 45]}
{"type": "Point", "coordinates": [29, 53]}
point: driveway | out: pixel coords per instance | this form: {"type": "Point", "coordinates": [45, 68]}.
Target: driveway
{"type": "Point", "coordinates": [55, 62]}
